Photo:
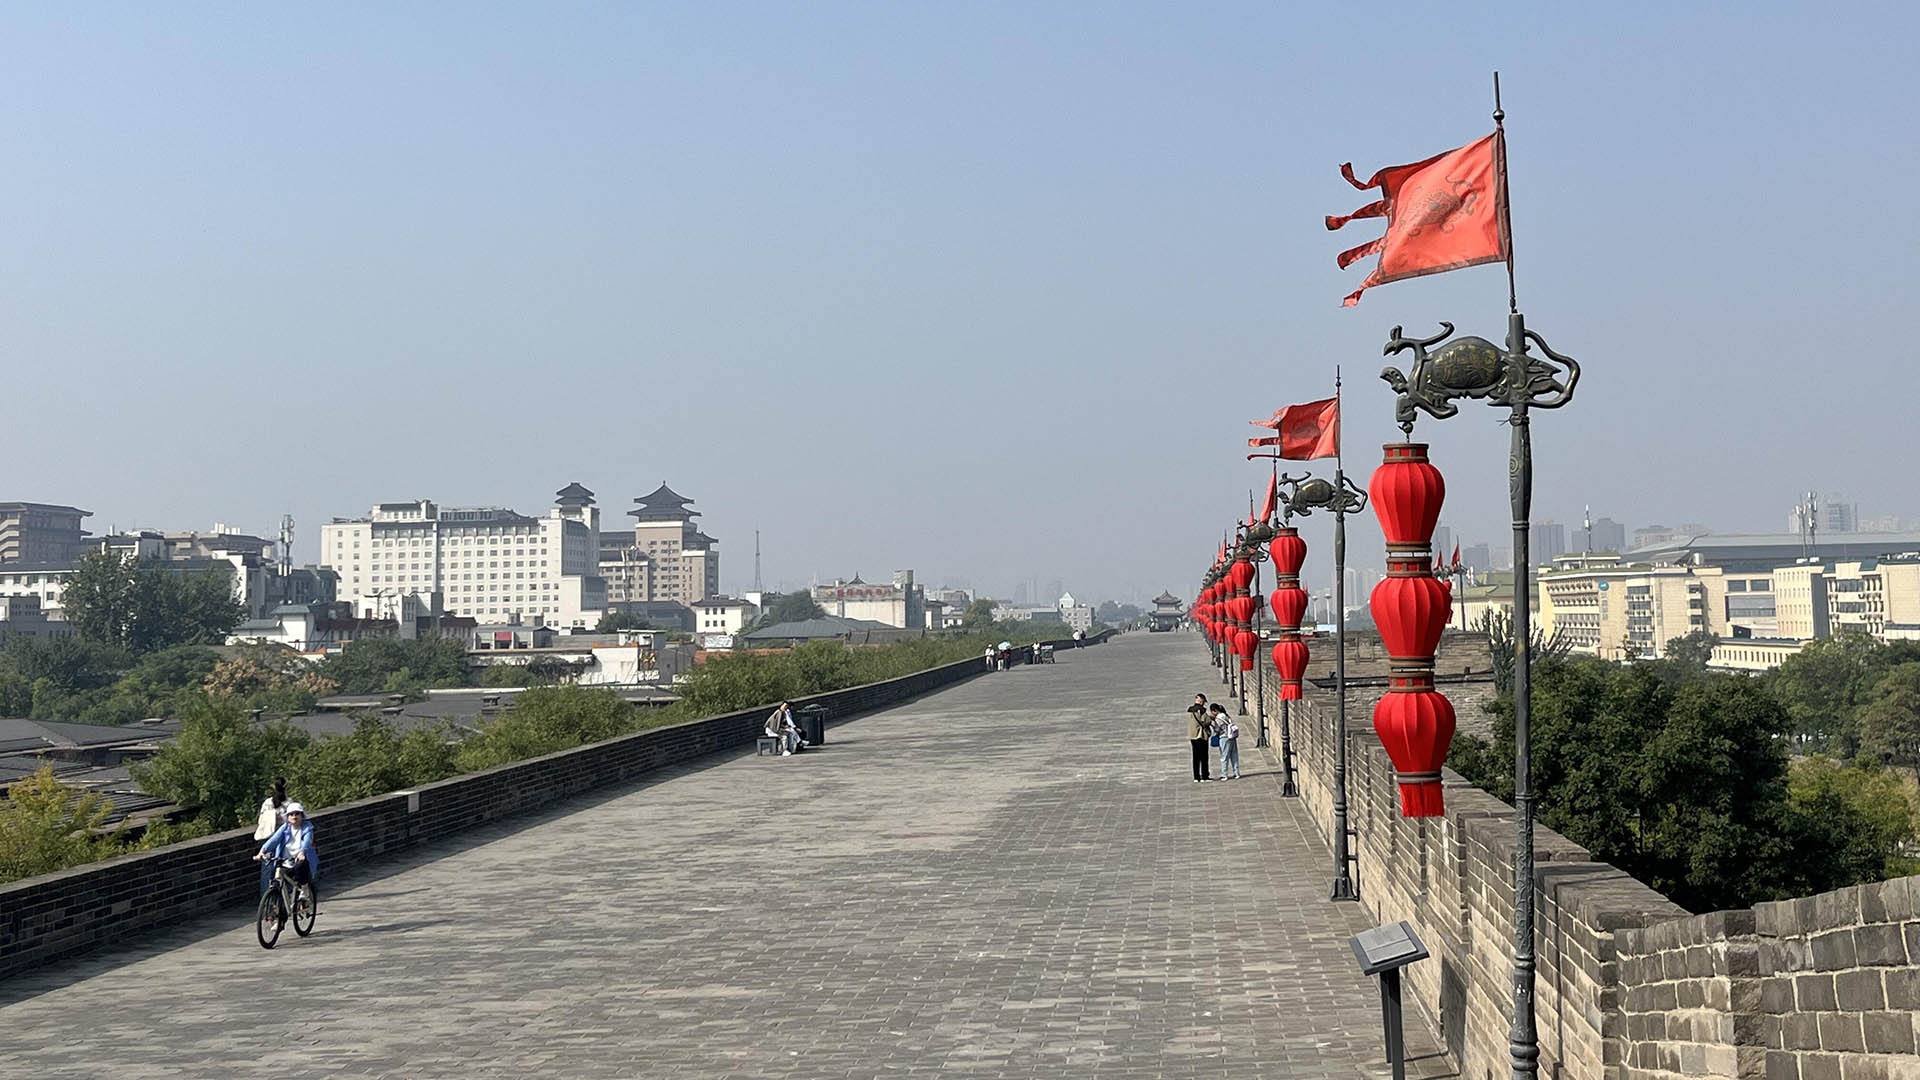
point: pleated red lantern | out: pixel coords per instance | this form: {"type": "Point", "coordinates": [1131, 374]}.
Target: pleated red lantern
{"type": "Point", "coordinates": [1290, 660]}
{"type": "Point", "coordinates": [1289, 605]}
{"type": "Point", "coordinates": [1245, 644]}
{"type": "Point", "coordinates": [1406, 491]}
{"type": "Point", "coordinates": [1411, 607]}
{"type": "Point", "coordinates": [1243, 608]}
{"type": "Point", "coordinates": [1240, 574]}
{"type": "Point", "coordinates": [1287, 549]}
{"type": "Point", "coordinates": [1415, 724]}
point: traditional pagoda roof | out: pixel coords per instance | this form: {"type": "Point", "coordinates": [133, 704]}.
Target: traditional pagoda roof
{"type": "Point", "coordinates": [1167, 599]}
{"type": "Point", "coordinates": [663, 504]}
{"type": "Point", "coordinates": [574, 494]}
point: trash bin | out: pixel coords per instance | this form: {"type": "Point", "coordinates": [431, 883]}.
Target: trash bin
{"type": "Point", "coordinates": [812, 721]}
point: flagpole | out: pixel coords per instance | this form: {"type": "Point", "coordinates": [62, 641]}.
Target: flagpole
{"type": "Point", "coordinates": [1523, 1039]}
{"type": "Point", "coordinates": [1342, 879]}
{"type": "Point", "coordinates": [1506, 208]}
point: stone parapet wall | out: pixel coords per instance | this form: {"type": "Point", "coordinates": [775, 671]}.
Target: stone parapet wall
{"type": "Point", "coordinates": [55, 915]}
{"type": "Point", "coordinates": [1629, 985]}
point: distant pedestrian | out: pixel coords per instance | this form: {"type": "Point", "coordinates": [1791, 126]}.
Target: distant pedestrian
{"type": "Point", "coordinates": [1197, 737]}
{"type": "Point", "coordinates": [990, 655]}
{"type": "Point", "coordinates": [1229, 735]}
{"type": "Point", "coordinates": [273, 814]}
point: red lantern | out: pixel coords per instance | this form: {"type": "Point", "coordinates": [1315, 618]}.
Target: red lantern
{"type": "Point", "coordinates": [1411, 608]}
{"type": "Point", "coordinates": [1289, 605]}
{"type": "Point", "coordinates": [1407, 492]}
{"type": "Point", "coordinates": [1241, 575]}
{"type": "Point", "coordinates": [1290, 660]}
{"type": "Point", "coordinates": [1415, 725]}
{"type": "Point", "coordinates": [1287, 549]}
{"type": "Point", "coordinates": [1241, 608]}
{"type": "Point", "coordinates": [1245, 642]}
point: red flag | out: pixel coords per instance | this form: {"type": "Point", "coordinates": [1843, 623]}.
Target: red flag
{"type": "Point", "coordinates": [1268, 505]}
{"type": "Point", "coordinates": [1443, 213]}
{"type": "Point", "coordinates": [1306, 431]}
{"type": "Point", "coordinates": [1456, 555]}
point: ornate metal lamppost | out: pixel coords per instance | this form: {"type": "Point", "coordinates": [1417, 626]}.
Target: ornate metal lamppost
{"type": "Point", "coordinates": [1513, 378]}
{"type": "Point", "coordinates": [1289, 605]}
{"type": "Point", "coordinates": [1341, 498]}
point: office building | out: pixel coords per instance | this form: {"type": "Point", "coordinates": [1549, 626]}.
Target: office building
{"type": "Point", "coordinates": [41, 533]}
{"type": "Point", "coordinates": [488, 563]}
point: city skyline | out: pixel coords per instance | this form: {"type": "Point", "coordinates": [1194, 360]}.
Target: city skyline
{"type": "Point", "coordinates": [994, 292]}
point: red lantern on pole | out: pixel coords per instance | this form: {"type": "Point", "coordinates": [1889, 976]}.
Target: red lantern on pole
{"type": "Point", "coordinates": [1245, 643]}
{"type": "Point", "coordinates": [1288, 551]}
{"type": "Point", "coordinates": [1290, 659]}
{"type": "Point", "coordinates": [1411, 607]}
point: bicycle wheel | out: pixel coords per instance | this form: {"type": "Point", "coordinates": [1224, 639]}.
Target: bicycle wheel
{"type": "Point", "coordinates": [271, 918]}
{"type": "Point", "coordinates": [303, 910]}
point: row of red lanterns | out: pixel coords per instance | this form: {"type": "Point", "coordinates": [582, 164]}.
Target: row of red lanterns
{"type": "Point", "coordinates": [1411, 607]}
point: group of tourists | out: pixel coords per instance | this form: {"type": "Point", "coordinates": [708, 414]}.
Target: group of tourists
{"type": "Point", "coordinates": [1210, 729]}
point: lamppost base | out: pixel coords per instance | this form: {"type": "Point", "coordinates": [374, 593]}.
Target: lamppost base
{"type": "Point", "coordinates": [1289, 789]}
{"type": "Point", "coordinates": [1343, 889]}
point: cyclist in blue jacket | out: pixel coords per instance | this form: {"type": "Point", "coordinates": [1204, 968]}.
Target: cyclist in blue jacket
{"type": "Point", "coordinates": [294, 840]}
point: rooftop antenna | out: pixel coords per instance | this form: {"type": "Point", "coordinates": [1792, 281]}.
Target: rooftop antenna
{"type": "Point", "coordinates": [756, 561]}
{"type": "Point", "coordinates": [1586, 523]}
{"type": "Point", "coordinates": [1812, 519]}
{"type": "Point", "coordinates": [286, 545]}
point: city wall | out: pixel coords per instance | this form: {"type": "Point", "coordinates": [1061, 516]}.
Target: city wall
{"type": "Point", "coordinates": [54, 915]}
{"type": "Point", "coordinates": [1629, 985]}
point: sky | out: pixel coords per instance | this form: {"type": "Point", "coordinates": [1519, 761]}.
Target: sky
{"type": "Point", "coordinates": [985, 290]}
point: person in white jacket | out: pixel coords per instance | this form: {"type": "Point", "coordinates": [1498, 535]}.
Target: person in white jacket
{"type": "Point", "coordinates": [273, 814]}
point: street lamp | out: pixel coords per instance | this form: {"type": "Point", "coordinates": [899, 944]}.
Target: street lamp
{"type": "Point", "coordinates": [1475, 368]}
{"type": "Point", "coordinates": [1340, 497]}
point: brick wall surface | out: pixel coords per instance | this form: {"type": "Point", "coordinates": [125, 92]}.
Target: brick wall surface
{"type": "Point", "coordinates": [55, 915]}
{"type": "Point", "coordinates": [1628, 984]}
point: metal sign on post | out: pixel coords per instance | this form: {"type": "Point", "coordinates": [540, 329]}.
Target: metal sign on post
{"type": "Point", "coordinates": [1383, 951]}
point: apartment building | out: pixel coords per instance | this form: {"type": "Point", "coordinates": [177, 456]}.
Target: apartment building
{"type": "Point", "coordinates": [42, 533]}
{"type": "Point", "coordinates": [486, 563]}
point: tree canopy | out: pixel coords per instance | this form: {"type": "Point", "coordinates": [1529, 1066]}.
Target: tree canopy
{"type": "Point", "coordinates": [145, 606]}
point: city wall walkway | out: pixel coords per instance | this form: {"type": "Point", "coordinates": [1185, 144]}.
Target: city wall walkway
{"type": "Point", "coordinates": [1013, 877]}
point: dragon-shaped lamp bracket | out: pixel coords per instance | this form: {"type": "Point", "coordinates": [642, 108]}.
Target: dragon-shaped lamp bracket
{"type": "Point", "coordinates": [1475, 368]}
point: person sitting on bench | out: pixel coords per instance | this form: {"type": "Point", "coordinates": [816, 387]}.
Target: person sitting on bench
{"type": "Point", "coordinates": [780, 726]}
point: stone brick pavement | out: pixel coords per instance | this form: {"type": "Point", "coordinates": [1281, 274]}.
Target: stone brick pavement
{"type": "Point", "coordinates": [1015, 877]}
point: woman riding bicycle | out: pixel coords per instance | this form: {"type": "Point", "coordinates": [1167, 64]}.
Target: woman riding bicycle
{"type": "Point", "coordinates": [293, 842]}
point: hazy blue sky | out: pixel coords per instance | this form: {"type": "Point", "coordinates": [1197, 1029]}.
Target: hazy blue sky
{"type": "Point", "coordinates": [986, 290]}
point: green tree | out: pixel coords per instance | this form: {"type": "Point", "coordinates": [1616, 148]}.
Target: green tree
{"type": "Point", "coordinates": [1694, 650]}
{"type": "Point", "coordinates": [1713, 785]}
{"type": "Point", "coordinates": [1823, 687]}
{"type": "Point", "coordinates": [544, 720]}
{"type": "Point", "coordinates": [1890, 721]}
{"type": "Point", "coordinates": [616, 621]}
{"type": "Point", "coordinates": [374, 758]}
{"type": "Point", "coordinates": [372, 665]}
{"type": "Point", "coordinates": [221, 764]}
{"type": "Point", "coordinates": [147, 606]}
{"type": "Point", "coordinates": [1680, 782]}
{"type": "Point", "coordinates": [978, 616]}
{"type": "Point", "coordinates": [795, 606]}
{"type": "Point", "coordinates": [1850, 824]}
{"type": "Point", "coordinates": [46, 825]}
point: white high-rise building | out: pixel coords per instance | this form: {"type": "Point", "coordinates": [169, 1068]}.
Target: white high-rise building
{"type": "Point", "coordinates": [488, 563]}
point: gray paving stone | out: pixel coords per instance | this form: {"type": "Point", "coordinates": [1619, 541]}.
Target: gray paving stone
{"type": "Point", "coordinates": [1012, 878]}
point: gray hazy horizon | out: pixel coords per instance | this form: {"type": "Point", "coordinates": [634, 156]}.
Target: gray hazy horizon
{"type": "Point", "coordinates": [988, 291]}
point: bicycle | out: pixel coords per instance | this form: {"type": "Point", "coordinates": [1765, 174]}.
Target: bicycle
{"type": "Point", "coordinates": [283, 897]}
